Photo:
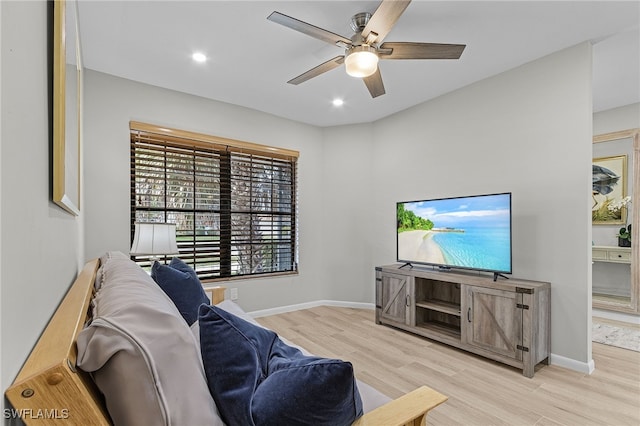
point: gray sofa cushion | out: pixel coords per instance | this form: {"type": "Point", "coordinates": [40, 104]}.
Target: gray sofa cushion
{"type": "Point", "coordinates": [141, 352]}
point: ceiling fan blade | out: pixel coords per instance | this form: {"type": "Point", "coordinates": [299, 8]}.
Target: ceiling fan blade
{"type": "Point", "coordinates": [314, 72]}
{"type": "Point", "coordinates": [308, 29]}
{"type": "Point", "coordinates": [408, 50]}
{"type": "Point", "coordinates": [383, 19]}
{"type": "Point", "coordinates": [374, 84]}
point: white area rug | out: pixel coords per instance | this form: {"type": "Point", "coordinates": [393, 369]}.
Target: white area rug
{"type": "Point", "coordinates": [613, 335]}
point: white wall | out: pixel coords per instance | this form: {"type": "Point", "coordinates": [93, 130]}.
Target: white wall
{"type": "Point", "coordinates": [111, 102]}
{"type": "Point", "coordinates": [349, 229]}
{"type": "Point", "coordinates": [525, 131]}
{"type": "Point", "coordinates": [40, 243]}
{"type": "Point", "coordinates": [616, 119]}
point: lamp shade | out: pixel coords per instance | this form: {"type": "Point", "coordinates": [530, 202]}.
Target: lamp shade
{"type": "Point", "coordinates": [361, 61]}
{"type": "Point", "coordinates": [153, 239]}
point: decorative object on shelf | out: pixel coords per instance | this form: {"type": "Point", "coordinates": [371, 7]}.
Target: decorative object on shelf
{"type": "Point", "coordinates": [609, 188]}
{"type": "Point", "coordinates": [617, 206]}
{"type": "Point", "coordinates": [624, 236]}
{"type": "Point", "coordinates": [154, 240]}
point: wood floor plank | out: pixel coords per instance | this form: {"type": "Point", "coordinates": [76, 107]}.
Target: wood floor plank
{"type": "Point", "coordinates": [480, 391]}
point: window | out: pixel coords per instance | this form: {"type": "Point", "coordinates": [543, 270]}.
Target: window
{"type": "Point", "coordinates": [233, 202]}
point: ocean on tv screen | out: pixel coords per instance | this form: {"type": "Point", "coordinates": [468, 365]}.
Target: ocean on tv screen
{"type": "Point", "coordinates": [469, 232]}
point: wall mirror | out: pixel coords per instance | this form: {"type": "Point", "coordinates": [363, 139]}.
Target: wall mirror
{"type": "Point", "coordinates": [615, 269]}
{"type": "Point", "coordinates": [67, 84]}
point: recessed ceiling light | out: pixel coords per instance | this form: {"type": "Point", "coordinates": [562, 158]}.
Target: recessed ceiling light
{"type": "Point", "coordinates": [338, 102]}
{"type": "Point", "coordinates": [199, 57]}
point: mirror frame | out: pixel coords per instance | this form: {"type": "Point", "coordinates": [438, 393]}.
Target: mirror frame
{"type": "Point", "coordinates": [66, 142]}
{"type": "Point", "coordinates": [634, 305]}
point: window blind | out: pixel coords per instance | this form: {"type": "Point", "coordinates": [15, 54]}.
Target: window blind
{"type": "Point", "coordinates": [233, 203]}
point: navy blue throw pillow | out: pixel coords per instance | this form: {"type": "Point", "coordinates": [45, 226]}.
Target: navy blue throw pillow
{"type": "Point", "coordinates": [256, 379]}
{"type": "Point", "coordinates": [182, 285]}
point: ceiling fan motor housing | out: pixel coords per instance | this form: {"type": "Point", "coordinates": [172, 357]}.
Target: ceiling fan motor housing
{"type": "Point", "coordinates": [359, 21]}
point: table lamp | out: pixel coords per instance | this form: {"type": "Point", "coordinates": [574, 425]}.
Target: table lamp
{"type": "Point", "coordinates": [154, 240]}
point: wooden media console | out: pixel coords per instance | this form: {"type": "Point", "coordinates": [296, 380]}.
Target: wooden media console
{"type": "Point", "coordinates": [504, 320]}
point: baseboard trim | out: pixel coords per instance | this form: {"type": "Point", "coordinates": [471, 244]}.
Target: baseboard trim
{"type": "Point", "coordinates": [572, 364]}
{"type": "Point", "coordinates": [616, 316]}
{"type": "Point", "coordinates": [309, 305]}
{"type": "Point", "coordinates": [558, 360]}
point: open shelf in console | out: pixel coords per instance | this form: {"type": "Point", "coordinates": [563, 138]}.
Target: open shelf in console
{"type": "Point", "coordinates": [439, 322]}
{"type": "Point", "coordinates": [438, 306]}
{"type": "Point", "coordinates": [436, 295]}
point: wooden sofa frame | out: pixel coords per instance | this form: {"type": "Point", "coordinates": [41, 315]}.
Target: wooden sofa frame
{"type": "Point", "coordinates": [50, 390]}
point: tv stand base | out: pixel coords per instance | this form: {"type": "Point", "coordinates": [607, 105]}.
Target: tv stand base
{"type": "Point", "coordinates": [498, 274]}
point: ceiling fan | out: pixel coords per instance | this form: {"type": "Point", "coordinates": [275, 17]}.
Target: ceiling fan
{"type": "Point", "coordinates": [366, 47]}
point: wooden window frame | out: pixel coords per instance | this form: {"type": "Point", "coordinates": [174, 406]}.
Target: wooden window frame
{"type": "Point", "coordinates": [250, 196]}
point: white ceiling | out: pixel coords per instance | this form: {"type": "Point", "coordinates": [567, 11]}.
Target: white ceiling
{"type": "Point", "coordinates": [251, 58]}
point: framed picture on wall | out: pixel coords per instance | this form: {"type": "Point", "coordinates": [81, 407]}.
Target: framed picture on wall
{"type": "Point", "coordinates": [609, 190]}
{"type": "Point", "coordinates": [67, 96]}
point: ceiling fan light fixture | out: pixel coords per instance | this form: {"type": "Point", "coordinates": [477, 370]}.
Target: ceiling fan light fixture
{"type": "Point", "coordinates": [361, 61]}
{"type": "Point", "coordinates": [199, 57]}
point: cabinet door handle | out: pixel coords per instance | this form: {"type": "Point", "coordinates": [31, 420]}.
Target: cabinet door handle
{"type": "Point", "coordinates": [407, 300]}
{"type": "Point", "coordinates": [469, 315]}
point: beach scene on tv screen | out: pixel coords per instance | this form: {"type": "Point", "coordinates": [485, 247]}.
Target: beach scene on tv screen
{"type": "Point", "coordinates": [470, 232]}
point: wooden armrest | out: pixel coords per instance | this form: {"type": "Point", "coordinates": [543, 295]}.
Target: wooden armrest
{"type": "Point", "coordinates": [49, 388]}
{"type": "Point", "coordinates": [216, 294]}
{"type": "Point", "coordinates": [410, 409]}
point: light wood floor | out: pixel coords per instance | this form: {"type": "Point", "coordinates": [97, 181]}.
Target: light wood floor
{"type": "Point", "coordinates": [480, 391]}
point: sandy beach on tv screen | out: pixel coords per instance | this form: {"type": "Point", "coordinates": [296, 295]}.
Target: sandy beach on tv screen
{"type": "Point", "coordinates": [418, 246]}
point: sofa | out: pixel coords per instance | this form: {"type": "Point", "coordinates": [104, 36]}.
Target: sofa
{"type": "Point", "coordinates": [160, 353]}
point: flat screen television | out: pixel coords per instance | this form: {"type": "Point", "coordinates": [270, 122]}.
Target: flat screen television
{"type": "Point", "coordinates": [472, 232]}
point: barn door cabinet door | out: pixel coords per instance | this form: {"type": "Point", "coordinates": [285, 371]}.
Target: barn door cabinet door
{"type": "Point", "coordinates": [493, 321]}
{"type": "Point", "coordinates": [395, 302]}
{"type": "Point", "coordinates": [511, 325]}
